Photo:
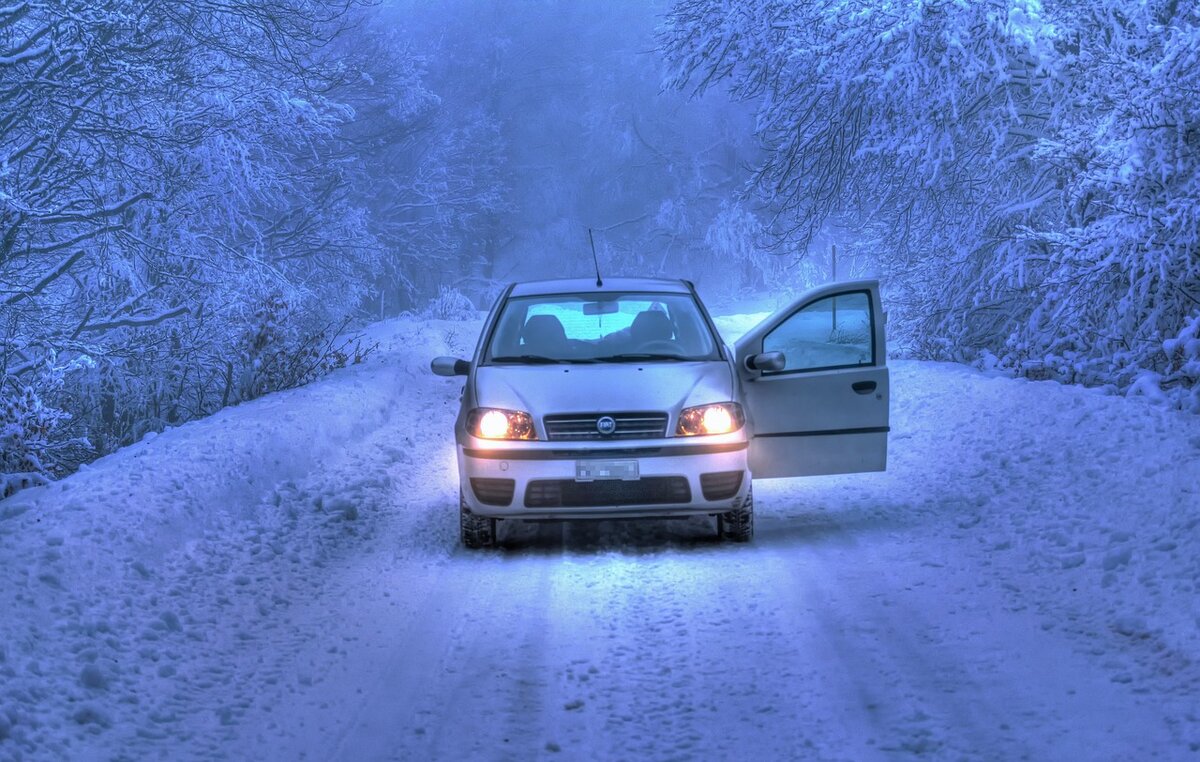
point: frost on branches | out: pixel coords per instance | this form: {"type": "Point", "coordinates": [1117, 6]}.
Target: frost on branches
{"type": "Point", "coordinates": [27, 429]}
{"type": "Point", "coordinates": [167, 170]}
{"type": "Point", "coordinates": [1035, 167]}
{"type": "Point", "coordinates": [276, 355]}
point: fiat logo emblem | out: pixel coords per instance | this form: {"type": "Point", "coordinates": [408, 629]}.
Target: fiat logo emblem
{"type": "Point", "coordinates": [606, 425]}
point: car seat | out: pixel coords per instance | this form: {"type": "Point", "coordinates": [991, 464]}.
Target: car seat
{"type": "Point", "coordinates": [544, 335]}
{"type": "Point", "coordinates": [649, 326]}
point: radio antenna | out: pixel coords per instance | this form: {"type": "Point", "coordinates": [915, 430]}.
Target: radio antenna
{"type": "Point", "coordinates": [599, 283]}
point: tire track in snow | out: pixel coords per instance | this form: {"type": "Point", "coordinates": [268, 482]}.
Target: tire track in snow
{"type": "Point", "coordinates": [990, 683]}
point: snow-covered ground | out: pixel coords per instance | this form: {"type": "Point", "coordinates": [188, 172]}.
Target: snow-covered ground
{"type": "Point", "coordinates": [283, 581]}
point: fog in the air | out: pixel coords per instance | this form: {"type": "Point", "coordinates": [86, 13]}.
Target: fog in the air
{"type": "Point", "coordinates": [569, 109]}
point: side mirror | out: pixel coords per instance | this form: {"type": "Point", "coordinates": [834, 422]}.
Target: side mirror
{"type": "Point", "coordinates": [767, 361]}
{"type": "Point", "coordinates": [450, 366]}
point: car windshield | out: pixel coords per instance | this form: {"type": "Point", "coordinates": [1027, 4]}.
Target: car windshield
{"type": "Point", "coordinates": [611, 327]}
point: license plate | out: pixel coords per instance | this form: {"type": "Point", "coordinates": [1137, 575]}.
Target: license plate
{"type": "Point", "coordinates": [595, 470]}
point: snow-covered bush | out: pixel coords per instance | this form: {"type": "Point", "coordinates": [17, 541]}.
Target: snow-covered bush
{"type": "Point", "coordinates": [450, 304]}
{"type": "Point", "coordinates": [35, 438]}
{"type": "Point", "coordinates": [1181, 377]}
{"type": "Point", "coordinates": [278, 352]}
{"type": "Point", "coordinates": [27, 429]}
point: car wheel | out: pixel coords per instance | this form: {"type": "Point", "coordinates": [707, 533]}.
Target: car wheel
{"type": "Point", "coordinates": [477, 531]}
{"type": "Point", "coordinates": [738, 524]}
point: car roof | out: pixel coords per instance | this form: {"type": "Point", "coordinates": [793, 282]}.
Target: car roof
{"type": "Point", "coordinates": [588, 285]}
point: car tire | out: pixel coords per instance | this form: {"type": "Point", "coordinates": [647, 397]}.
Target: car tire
{"type": "Point", "coordinates": [477, 531]}
{"type": "Point", "coordinates": [738, 524]}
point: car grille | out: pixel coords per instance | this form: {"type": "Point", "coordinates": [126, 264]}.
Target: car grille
{"type": "Point", "coordinates": [579, 426]}
{"type": "Point", "coordinates": [567, 493]}
{"type": "Point", "coordinates": [721, 485]}
{"type": "Point", "coordinates": [493, 491]}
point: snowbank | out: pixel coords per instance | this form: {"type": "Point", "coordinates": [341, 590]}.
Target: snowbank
{"type": "Point", "coordinates": [94, 569]}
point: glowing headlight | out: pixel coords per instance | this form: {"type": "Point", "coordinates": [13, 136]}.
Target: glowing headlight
{"type": "Point", "coordinates": [720, 418]}
{"type": "Point", "coordinates": [492, 423]}
{"type": "Point", "coordinates": [717, 420]}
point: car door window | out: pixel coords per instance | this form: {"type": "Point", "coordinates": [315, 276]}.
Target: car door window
{"type": "Point", "coordinates": [834, 332]}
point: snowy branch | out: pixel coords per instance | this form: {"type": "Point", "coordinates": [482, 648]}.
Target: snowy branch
{"type": "Point", "coordinates": [49, 278]}
{"type": "Point", "coordinates": [136, 322]}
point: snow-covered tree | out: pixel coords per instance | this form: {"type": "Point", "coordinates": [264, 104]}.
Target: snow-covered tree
{"type": "Point", "coordinates": [1034, 166]}
{"type": "Point", "coordinates": [174, 177]}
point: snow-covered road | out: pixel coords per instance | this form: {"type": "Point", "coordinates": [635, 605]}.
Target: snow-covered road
{"type": "Point", "coordinates": [666, 645]}
{"type": "Point", "coordinates": [283, 581]}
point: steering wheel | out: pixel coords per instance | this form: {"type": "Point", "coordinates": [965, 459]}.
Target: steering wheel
{"type": "Point", "coordinates": [659, 346]}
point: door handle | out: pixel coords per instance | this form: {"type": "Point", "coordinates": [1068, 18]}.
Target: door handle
{"type": "Point", "coordinates": [863, 387]}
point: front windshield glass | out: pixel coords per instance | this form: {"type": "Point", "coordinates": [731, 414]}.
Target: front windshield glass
{"type": "Point", "coordinates": [611, 327]}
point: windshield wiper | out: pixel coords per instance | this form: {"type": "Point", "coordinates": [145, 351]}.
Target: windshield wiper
{"type": "Point", "coordinates": [623, 357]}
{"type": "Point", "coordinates": [640, 356]}
{"type": "Point", "coordinates": [539, 359]}
{"type": "Point", "coordinates": [529, 359]}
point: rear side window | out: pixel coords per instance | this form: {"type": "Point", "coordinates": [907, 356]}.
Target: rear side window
{"type": "Point", "coordinates": [834, 332]}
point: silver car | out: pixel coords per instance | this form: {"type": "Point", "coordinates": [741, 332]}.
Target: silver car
{"type": "Point", "coordinates": [620, 400]}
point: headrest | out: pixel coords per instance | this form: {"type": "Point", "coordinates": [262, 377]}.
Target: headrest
{"type": "Point", "coordinates": [651, 325]}
{"type": "Point", "coordinates": [543, 330]}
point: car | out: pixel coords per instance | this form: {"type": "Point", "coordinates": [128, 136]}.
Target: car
{"type": "Point", "coordinates": [615, 399]}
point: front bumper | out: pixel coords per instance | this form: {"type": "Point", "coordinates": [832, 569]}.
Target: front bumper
{"type": "Point", "coordinates": [673, 475]}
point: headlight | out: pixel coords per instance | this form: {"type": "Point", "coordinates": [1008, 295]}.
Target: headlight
{"type": "Point", "coordinates": [493, 423]}
{"type": "Point", "coordinates": [720, 418]}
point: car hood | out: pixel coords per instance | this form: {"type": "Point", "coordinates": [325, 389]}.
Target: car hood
{"type": "Point", "coordinates": [610, 387]}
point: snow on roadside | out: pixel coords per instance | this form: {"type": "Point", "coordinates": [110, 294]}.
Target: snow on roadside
{"type": "Point", "coordinates": [1081, 505]}
{"type": "Point", "coordinates": [1084, 506]}
{"type": "Point", "coordinates": [101, 574]}
{"type": "Point", "coordinates": [151, 599]}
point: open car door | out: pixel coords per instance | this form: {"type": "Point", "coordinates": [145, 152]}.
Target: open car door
{"type": "Point", "coordinates": [824, 408]}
